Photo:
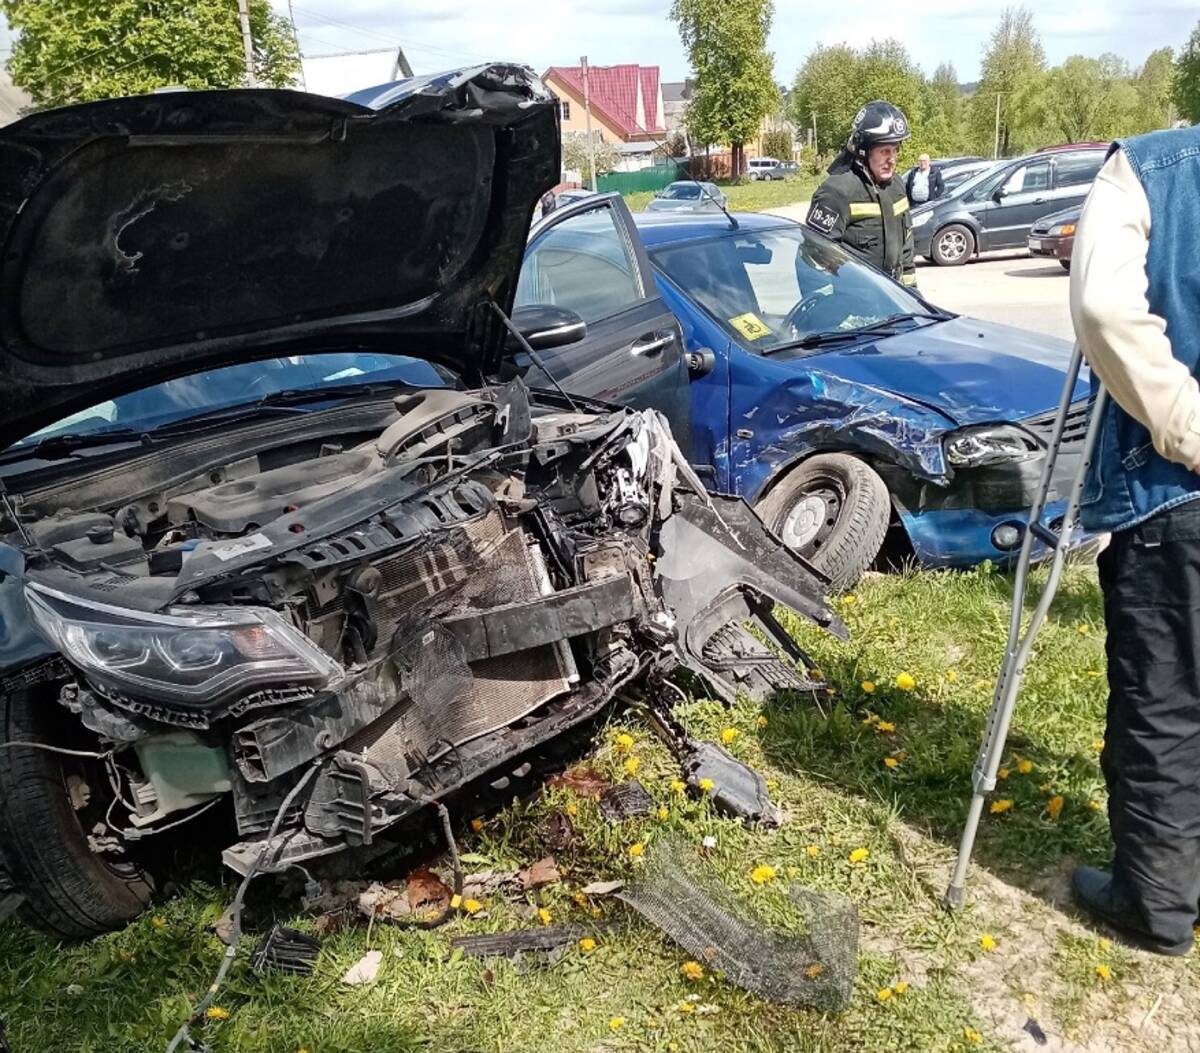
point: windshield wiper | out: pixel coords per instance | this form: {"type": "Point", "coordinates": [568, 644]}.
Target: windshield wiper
{"type": "Point", "coordinates": [839, 336]}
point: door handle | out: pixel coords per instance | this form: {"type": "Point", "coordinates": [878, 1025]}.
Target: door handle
{"type": "Point", "coordinates": [652, 344]}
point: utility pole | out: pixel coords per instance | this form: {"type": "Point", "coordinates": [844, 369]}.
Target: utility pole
{"type": "Point", "coordinates": [296, 38]}
{"type": "Point", "coordinates": [247, 42]}
{"type": "Point", "coordinates": [587, 113]}
{"type": "Point", "coordinates": [996, 141]}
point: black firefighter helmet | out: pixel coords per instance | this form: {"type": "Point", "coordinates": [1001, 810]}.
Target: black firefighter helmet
{"type": "Point", "coordinates": [877, 123]}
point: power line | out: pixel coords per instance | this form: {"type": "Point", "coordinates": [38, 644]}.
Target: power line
{"type": "Point", "coordinates": [375, 35]}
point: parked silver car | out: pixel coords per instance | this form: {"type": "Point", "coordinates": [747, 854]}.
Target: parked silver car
{"type": "Point", "coordinates": [688, 195]}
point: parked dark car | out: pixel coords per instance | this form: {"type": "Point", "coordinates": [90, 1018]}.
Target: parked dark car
{"type": "Point", "coordinates": [835, 400]}
{"type": "Point", "coordinates": [1054, 235]}
{"type": "Point", "coordinates": [996, 208]}
{"type": "Point", "coordinates": [281, 530]}
{"type": "Point", "coordinates": [1062, 147]}
{"type": "Point", "coordinates": [957, 173]}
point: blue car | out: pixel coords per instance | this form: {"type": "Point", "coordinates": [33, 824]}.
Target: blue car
{"type": "Point", "coordinates": [857, 417]}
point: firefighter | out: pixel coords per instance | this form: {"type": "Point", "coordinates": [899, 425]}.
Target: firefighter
{"type": "Point", "coordinates": [862, 203]}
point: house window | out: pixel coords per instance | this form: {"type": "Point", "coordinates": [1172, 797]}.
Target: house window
{"type": "Point", "coordinates": [564, 109]}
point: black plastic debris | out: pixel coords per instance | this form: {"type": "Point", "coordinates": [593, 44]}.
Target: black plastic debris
{"type": "Point", "coordinates": [815, 968]}
{"type": "Point", "coordinates": [626, 800]}
{"type": "Point", "coordinates": [1035, 1029]}
{"type": "Point", "coordinates": [523, 941]}
{"type": "Point", "coordinates": [737, 790]}
{"type": "Point", "coordinates": [286, 951]}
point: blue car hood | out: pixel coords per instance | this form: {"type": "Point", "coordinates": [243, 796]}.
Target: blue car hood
{"type": "Point", "coordinates": [971, 372]}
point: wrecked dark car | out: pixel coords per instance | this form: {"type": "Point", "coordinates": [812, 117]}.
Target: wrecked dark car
{"type": "Point", "coordinates": [280, 527]}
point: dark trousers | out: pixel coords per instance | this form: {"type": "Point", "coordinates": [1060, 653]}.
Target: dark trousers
{"type": "Point", "coordinates": [1150, 575]}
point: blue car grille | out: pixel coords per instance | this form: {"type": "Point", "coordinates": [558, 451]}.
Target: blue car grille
{"type": "Point", "coordinates": [1074, 429]}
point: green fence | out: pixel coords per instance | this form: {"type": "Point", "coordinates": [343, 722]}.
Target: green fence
{"type": "Point", "coordinates": [632, 182]}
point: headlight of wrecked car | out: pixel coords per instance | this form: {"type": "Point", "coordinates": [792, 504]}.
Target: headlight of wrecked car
{"type": "Point", "coordinates": [988, 444]}
{"type": "Point", "coordinates": [195, 658]}
{"type": "Point", "coordinates": [919, 219]}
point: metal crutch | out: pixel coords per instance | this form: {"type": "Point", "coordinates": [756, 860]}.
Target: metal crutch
{"type": "Point", "coordinates": [1019, 646]}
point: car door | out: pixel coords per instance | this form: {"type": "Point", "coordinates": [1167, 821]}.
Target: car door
{"type": "Point", "coordinates": [589, 259]}
{"type": "Point", "coordinates": [1018, 201]}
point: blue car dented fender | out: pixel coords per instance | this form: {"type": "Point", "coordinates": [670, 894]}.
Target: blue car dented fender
{"type": "Point", "coordinates": [797, 348]}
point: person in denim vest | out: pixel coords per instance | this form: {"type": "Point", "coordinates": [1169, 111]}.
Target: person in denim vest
{"type": "Point", "coordinates": [1135, 301]}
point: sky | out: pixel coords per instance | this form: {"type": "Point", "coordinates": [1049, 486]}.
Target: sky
{"type": "Point", "coordinates": [437, 35]}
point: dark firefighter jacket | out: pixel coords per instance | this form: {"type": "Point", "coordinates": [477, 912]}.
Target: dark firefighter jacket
{"type": "Point", "coordinates": [874, 220]}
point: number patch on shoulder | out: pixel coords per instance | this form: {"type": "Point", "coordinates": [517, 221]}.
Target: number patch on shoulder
{"type": "Point", "coordinates": [750, 326]}
{"type": "Point", "coordinates": [823, 218]}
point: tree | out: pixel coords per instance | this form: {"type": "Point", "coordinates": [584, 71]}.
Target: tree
{"type": "Point", "coordinates": [778, 143]}
{"type": "Point", "coordinates": [80, 50]}
{"type": "Point", "coordinates": [1090, 99]}
{"type": "Point", "coordinates": [1154, 83]}
{"type": "Point", "coordinates": [1187, 78]}
{"type": "Point", "coordinates": [1013, 68]}
{"type": "Point", "coordinates": [575, 156]}
{"type": "Point", "coordinates": [827, 95]}
{"type": "Point", "coordinates": [726, 42]}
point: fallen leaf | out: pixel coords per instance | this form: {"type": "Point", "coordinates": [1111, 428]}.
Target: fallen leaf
{"type": "Point", "coordinates": [384, 901]}
{"type": "Point", "coordinates": [426, 891]}
{"type": "Point", "coordinates": [582, 780]}
{"type": "Point", "coordinates": [557, 832]}
{"type": "Point", "coordinates": [602, 888]}
{"type": "Point", "coordinates": [222, 928]}
{"type": "Point", "coordinates": [365, 970]}
{"type": "Point", "coordinates": [536, 875]}
{"type": "Point", "coordinates": [487, 883]}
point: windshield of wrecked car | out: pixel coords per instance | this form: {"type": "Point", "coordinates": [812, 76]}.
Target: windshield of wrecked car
{"type": "Point", "coordinates": [682, 192]}
{"type": "Point", "coordinates": [238, 385]}
{"type": "Point", "coordinates": [769, 288]}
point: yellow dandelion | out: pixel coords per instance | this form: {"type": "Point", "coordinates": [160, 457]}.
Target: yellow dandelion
{"type": "Point", "coordinates": [900, 987]}
{"type": "Point", "coordinates": [980, 684]}
{"type": "Point", "coordinates": [728, 735]}
{"type": "Point", "coordinates": [849, 599]}
{"type": "Point", "coordinates": [1103, 972]}
{"type": "Point", "coordinates": [868, 687]}
{"type": "Point", "coordinates": [678, 786]}
{"type": "Point", "coordinates": [624, 743]}
{"type": "Point", "coordinates": [951, 675]}
{"type": "Point", "coordinates": [706, 785]}
{"type": "Point", "coordinates": [616, 1023]}
{"type": "Point", "coordinates": [1097, 745]}
{"type": "Point", "coordinates": [692, 970]}
{"type": "Point", "coordinates": [215, 1012]}
{"type": "Point", "coordinates": [987, 941]}
{"type": "Point", "coordinates": [544, 916]}
{"type": "Point", "coordinates": [883, 994]}
{"type": "Point", "coordinates": [763, 722]}
{"type": "Point", "coordinates": [1105, 945]}
{"type": "Point", "coordinates": [859, 855]}
{"type": "Point", "coordinates": [572, 809]}
{"type": "Point", "coordinates": [886, 726]}
{"type": "Point", "coordinates": [1054, 806]}
{"type": "Point", "coordinates": [1024, 766]}
{"type": "Point", "coordinates": [472, 906]}
{"type": "Point", "coordinates": [580, 899]}
{"type": "Point", "coordinates": [686, 1007]}
{"type": "Point", "coordinates": [891, 762]}
{"type": "Point", "coordinates": [1001, 806]}
{"type": "Point", "coordinates": [476, 825]}
{"type": "Point", "coordinates": [1094, 805]}
{"type": "Point", "coordinates": [813, 851]}
{"type": "Point", "coordinates": [663, 813]}
{"type": "Point", "coordinates": [972, 1036]}
{"type": "Point", "coordinates": [1093, 673]}
{"type": "Point", "coordinates": [814, 970]}
{"type": "Point", "coordinates": [1083, 629]}
{"type": "Point", "coordinates": [762, 875]}
{"type": "Point", "coordinates": [1002, 774]}
{"type": "Point", "coordinates": [587, 945]}
{"type": "Point", "coordinates": [632, 765]}
{"type": "Point", "coordinates": [905, 682]}
{"type": "Point", "coordinates": [159, 923]}
{"type": "Point", "coordinates": [637, 850]}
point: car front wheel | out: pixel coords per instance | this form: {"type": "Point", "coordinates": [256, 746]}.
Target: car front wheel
{"type": "Point", "coordinates": [76, 880]}
{"type": "Point", "coordinates": [953, 245]}
{"type": "Point", "coordinates": [834, 510]}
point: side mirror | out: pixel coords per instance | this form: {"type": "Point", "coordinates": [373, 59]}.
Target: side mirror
{"type": "Point", "coordinates": [545, 326]}
{"type": "Point", "coordinates": [701, 362]}
{"type": "Point", "coordinates": [999, 194]}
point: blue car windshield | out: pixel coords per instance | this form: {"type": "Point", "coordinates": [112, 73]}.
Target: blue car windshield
{"type": "Point", "coordinates": [232, 386]}
{"type": "Point", "coordinates": [771, 288]}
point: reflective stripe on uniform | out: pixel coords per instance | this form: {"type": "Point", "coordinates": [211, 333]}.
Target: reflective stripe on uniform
{"type": "Point", "coordinates": [900, 207]}
{"type": "Point", "coordinates": [908, 279]}
{"type": "Point", "coordinates": [864, 208]}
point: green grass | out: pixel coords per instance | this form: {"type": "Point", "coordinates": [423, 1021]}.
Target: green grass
{"type": "Point", "coordinates": [750, 197]}
{"type": "Point", "coordinates": [128, 991]}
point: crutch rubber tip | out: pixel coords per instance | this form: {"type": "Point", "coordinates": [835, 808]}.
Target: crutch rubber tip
{"type": "Point", "coordinates": [955, 898]}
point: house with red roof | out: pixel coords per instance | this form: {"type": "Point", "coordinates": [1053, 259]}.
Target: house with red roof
{"type": "Point", "coordinates": [626, 103]}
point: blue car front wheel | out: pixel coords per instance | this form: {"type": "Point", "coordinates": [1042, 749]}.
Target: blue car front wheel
{"type": "Point", "coordinates": [834, 510]}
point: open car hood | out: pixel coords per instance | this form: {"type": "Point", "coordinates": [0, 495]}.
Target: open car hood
{"type": "Point", "coordinates": [152, 237]}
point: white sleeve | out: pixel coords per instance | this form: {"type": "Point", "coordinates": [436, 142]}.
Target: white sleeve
{"type": "Point", "coordinates": [1124, 343]}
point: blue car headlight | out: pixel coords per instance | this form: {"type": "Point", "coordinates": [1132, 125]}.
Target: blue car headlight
{"type": "Point", "coordinates": [919, 219]}
{"type": "Point", "coordinates": [986, 444]}
{"type": "Point", "coordinates": [199, 658]}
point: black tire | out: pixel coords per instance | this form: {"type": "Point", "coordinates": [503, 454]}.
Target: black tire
{"type": "Point", "coordinates": [1066, 265]}
{"type": "Point", "coordinates": [952, 246]}
{"type": "Point", "coordinates": [70, 891]}
{"type": "Point", "coordinates": [857, 511]}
